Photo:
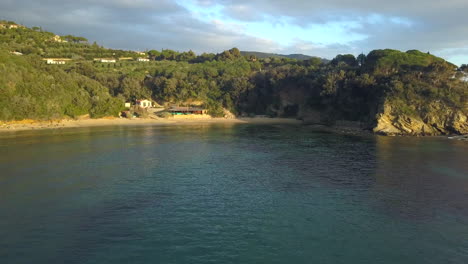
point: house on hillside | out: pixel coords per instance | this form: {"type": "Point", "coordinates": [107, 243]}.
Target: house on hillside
{"type": "Point", "coordinates": [16, 53]}
{"type": "Point", "coordinates": [58, 61]}
{"type": "Point", "coordinates": [140, 53]}
{"type": "Point", "coordinates": [465, 77]}
{"type": "Point", "coordinates": [125, 58]}
{"type": "Point", "coordinates": [105, 60]}
{"type": "Point", "coordinates": [10, 26]}
{"type": "Point", "coordinates": [143, 59]}
{"type": "Point", "coordinates": [144, 103]}
{"type": "Point", "coordinates": [58, 39]}
{"type": "Point", "coordinates": [188, 111]}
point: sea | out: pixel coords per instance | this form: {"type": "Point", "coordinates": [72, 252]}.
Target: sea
{"type": "Point", "coordinates": [231, 193]}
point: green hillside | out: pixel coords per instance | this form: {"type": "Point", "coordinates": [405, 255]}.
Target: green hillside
{"type": "Point", "coordinates": [412, 84]}
{"type": "Point", "coordinates": [31, 89]}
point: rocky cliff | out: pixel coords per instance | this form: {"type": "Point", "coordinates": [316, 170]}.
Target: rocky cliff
{"type": "Point", "coordinates": [385, 118]}
{"type": "Point", "coordinates": [435, 119]}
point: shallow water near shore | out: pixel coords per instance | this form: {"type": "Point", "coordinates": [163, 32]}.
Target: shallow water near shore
{"type": "Point", "coordinates": [230, 193]}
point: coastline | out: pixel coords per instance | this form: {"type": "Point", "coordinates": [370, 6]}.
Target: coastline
{"type": "Point", "coordinates": [32, 125]}
{"type": "Point", "coordinates": [29, 125]}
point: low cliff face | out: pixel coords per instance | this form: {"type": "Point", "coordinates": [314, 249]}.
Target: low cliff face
{"type": "Point", "coordinates": [437, 119]}
{"type": "Point", "coordinates": [386, 118]}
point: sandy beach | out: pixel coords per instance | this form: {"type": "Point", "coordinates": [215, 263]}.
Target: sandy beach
{"type": "Point", "coordinates": [70, 123]}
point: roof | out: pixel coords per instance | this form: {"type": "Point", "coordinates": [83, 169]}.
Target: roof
{"type": "Point", "coordinates": [63, 59]}
{"type": "Point", "coordinates": [190, 109]}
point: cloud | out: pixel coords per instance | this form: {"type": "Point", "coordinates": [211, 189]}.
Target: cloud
{"type": "Point", "coordinates": [324, 28]}
{"type": "Point", "coordinates": [241, 12]}
{"type": "Point", "coordinates": [428, 25]}
{"type": "Point", "coordinates": [299, 46]}
{"type": "Point", "coordinates": [135, 24]}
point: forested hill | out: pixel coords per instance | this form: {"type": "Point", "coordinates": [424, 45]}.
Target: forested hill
{"type": "Point", "coordinates": [388, 91]}
{"type": "Point", "coordinates": [263, 55]}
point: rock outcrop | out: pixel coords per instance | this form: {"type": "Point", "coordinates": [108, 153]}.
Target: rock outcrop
{"type": "Point", "coordinates": [437, 119]}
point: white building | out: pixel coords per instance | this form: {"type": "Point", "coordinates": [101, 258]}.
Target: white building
{"type": "Point", "coordinates": [465, 77]}
{"type": "Point", "coordinates": [143, 59]}
{"type": "Point", "coordinates": [106, 60]}
{"type": "Point", "coordinates": [59, 61]}
{"type": "Point", "coordinates": [144, 103]}
{"type": "Point", "coordinates": [10, 26]}
{"type": "Point", "coordinates": [128, 105]}
{"type": "Point", "coordinates": [58, 39]}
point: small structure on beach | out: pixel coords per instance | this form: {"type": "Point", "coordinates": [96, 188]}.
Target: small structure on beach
{"type": "Point", "coordinates": [144, 103]}
{"type": "Point", "coordinates": [187, 111]}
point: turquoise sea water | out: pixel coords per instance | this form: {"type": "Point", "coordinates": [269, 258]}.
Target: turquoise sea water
{"type": "Point", "coordinates": [231, 194]}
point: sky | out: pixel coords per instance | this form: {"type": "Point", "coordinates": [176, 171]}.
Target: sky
{"type": "Point", "coordinates": [312, 27]}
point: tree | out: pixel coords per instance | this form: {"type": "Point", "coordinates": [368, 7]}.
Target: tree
{"type": "Point", "coordinates": [235, 52]}
{"type": "Point", "coordinates": [186, 56]}
{"type": "Point", "coordinates": [464, 68]}
{"type": "Point", "coordinates": [348, 59]}
{"type": "Point", "coordinates": [225, 55]}
{"type": "Point", "coordinates": [74, 39]}
{"type": "Point", "coordinates": [168, 54]}
{"type": "Point", "coordinates": [153, 54]}
{"type": "Point", "coordinates": [361, 59]}
{"type": "Point", "coordinates": [204, 58]}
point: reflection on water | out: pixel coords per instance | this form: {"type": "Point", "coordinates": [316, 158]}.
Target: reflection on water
{"type": "Point", "coordinates": [230, 194]}
{"type": "Point", "coordinates": [427, 177]}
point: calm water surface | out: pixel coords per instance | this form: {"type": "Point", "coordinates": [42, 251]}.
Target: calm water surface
{"type": "Point", "coordinates": [231, 194]}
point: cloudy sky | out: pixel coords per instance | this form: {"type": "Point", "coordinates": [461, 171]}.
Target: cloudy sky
{"type": "Point", "coordinates": [312, 27]}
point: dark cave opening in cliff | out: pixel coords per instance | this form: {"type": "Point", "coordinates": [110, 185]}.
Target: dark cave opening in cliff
{"type": "Point", "coordinates": [291, 110]}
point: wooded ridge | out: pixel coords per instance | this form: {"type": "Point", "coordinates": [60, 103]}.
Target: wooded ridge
{"type": "Point", "coordinates": [387, 91]}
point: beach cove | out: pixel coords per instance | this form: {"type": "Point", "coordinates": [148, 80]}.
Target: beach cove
{"type": "Point", "coordinates": [25, 125]}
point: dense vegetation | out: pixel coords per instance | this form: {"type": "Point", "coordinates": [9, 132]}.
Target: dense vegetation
{"type": "Point", "coordinates": [346, 88]}
{"type": "Point", "coordinates": [31, 89]}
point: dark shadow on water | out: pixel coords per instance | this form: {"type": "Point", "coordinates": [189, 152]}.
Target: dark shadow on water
{"type": "Point", "coordinates": [422, 178]}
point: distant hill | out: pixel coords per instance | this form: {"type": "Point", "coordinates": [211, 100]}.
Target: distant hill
{"type": "Point", "coordinates": [264, 55]}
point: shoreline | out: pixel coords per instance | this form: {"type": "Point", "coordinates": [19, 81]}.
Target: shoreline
{"type": "Point", "coordinates": [35, 125]}
{"type": "Point", "coordinates": [31, 125]}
